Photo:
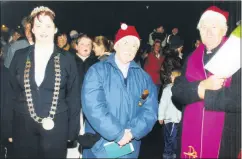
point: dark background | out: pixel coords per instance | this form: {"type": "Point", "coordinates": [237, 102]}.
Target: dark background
{"type": "Point", "coordinates": [104, 17]}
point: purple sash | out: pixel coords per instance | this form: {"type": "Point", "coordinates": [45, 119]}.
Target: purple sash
{"type": "Point", "coordinates": [202, 129]}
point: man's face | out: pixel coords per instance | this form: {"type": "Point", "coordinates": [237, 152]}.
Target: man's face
{"type": "Point", "coordinates": [160, 29]}
{"type": "Point", "coordinates": [175, 31]}
{"type": "Point", "coordinates": [126, 48]}
{"type": "Point", "coordinates": [211, 32]}
{"type": "Point", "coordinates": [16, 35]}
{"type": "Point", "coordinates": [84, 47]}
{"type": "Point", "coordinates": [44, 29]}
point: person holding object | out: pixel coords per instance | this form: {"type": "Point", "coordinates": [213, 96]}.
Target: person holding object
{"type": "Point", "coordinates": [211, 122]}
{"type": "Point", "coordinates": [44, 112]}
{"type": "Point", "coordinates": [119, 99]}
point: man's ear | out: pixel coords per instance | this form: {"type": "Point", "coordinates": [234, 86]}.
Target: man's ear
{"type": "Point", "coordinates": [115, 46]}
{"type": "Point", "coordinates": [76, 46]}
{"type": "Point", "coordinates": [32, 30]}
{"type": "Point", "coordinates": [225, 30]}
{"type": "Point", "coordinates": [56, 30]}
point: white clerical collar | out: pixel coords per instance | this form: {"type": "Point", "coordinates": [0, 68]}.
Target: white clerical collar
{"type": "Point", "coordinates": [82, 57]}
{"type": "Point", "coordinates": [123, 67]}
{"type": "Point", "coordinates": [209, 52]}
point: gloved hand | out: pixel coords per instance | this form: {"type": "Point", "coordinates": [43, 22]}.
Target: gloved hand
{"type": "Point", "coordinates": [87, 140]}
{"type": "Point", "coordinates": [71, 144]}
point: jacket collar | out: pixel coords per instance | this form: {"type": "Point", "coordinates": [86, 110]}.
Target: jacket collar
{"type": "Point", "coordinates": [111, 60]}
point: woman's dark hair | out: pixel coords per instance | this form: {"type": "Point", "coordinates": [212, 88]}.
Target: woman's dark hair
{"type": "Point", "coordinates": [59, 33]}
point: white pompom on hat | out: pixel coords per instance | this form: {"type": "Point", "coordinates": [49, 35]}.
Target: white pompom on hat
{"type": "Point", "coordinates": [126, 30]}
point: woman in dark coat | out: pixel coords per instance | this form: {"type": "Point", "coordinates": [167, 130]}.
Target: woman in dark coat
{"type": "Point", "coordinates": [44, 112]}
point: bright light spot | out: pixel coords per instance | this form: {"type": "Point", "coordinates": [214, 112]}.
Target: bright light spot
{"type": "Point", "coordinates": [3, 26]}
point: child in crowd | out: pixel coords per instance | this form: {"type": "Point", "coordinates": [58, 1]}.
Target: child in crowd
{"type": "Point", "coordinates": [170, 116]}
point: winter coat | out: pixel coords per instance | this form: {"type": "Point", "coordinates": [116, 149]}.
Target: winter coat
{"type": "Point", "coordinates": [167, 110]}
{"type": "Point", "coordinates": [111, 105]}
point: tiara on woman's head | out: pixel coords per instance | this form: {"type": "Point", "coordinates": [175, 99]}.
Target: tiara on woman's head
{"type": "Point", "coordinates": [41, 9]}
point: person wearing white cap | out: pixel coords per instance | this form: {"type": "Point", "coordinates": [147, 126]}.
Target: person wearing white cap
{"type": "Point", "coordinates": [211, 124]}
{"type": "Point", "coordinates": [119, 100]}
{"type": "Point", "coordinates": [73, 34]}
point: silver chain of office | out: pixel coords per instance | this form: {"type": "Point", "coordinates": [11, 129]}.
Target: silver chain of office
{"type": "Point", "coordinates": [55, 94]}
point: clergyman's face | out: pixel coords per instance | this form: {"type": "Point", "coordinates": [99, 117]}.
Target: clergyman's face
{"type": "Point", "coordinates": [211, 32]}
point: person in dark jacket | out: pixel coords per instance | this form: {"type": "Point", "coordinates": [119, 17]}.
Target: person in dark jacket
{"type": "Point", "coordinates": [85, 58]}
{"type": "Point", "coordinates": [20, 43]}
{"type": "Point", "coordinates": [174, 38]}
{"type": "Point", "coordinates": [211, 124]}
{"type": "Point", "coordinates": [44, 112]}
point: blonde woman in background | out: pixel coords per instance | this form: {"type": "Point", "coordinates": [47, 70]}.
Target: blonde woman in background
{"type": "Point", "coordinates": [102, 47]}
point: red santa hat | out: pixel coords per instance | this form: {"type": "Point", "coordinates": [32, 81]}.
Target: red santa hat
{"type": "Point", "coordinates": [124, 31]}
{"type": "Point", "coordinates": [214, 11]}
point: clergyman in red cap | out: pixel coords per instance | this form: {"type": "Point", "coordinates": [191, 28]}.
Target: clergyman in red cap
{"type": "Point", "coordinates": [211, 125]}
{"type": "Point", "coordinates": [119, 100]}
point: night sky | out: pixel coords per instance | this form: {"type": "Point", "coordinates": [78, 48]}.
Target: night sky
{"type": "Point", "coordinates": [103, 18]}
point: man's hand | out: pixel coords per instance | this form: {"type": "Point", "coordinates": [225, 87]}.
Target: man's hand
{"type": "Point", "coordinates": [10, 139]}
{"type": "Point", "coordinates": [161, 122]}
{"type": "Point", "coordinates": [126, 138]}
{"type": "Point", "coordinates": [212, 83]}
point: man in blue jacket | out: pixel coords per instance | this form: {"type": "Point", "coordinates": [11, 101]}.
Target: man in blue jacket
{"type": "Point", "coordinates": [119, 98]}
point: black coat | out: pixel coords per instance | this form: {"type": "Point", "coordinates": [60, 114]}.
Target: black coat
{"type": "Point", "coordinates": [4, 77]}
{"type": "Point", "coordinates": [87, 140]}
{"type": "Point", "coordinates": [83, 66]}
{"type": "Point", "coordinates": [69, 97]}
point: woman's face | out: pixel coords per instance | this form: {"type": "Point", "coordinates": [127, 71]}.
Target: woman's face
{"type": "Point", "coordinates": [157, 47]}
{"type": "Point", "coordinates": [44, 29]}
{"type": "Point", "coordinates": [98, 49]}
{"type": "Point", "coordinates": [84, 47]}
{"type": "Point", "coordinates": [61, 40]}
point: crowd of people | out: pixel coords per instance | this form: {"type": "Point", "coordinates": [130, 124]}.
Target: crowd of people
{"type": "Point", "coordinates": [63, 91]}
